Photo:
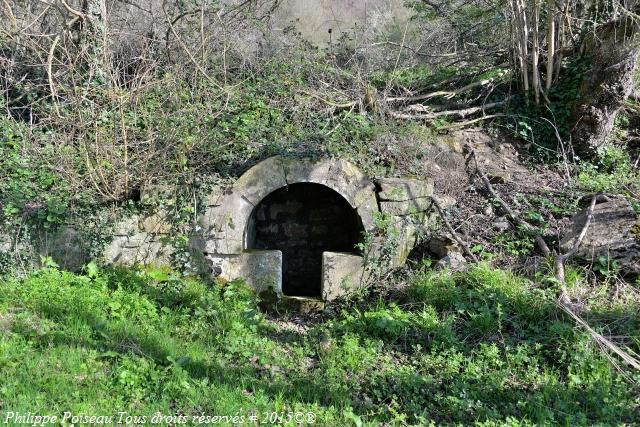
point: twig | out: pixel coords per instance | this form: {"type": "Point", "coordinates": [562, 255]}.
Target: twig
{"type": "Point", "coordinates": [50, 55]}
{"type": "Point", "coordinates": [52, 87]}
{"type": "Point", "coordinates": [562, 149]}
{"type": "Point", "coordinates": [73, 11]}
{"type": "Point", "coordinates": [455, 235]}
{"type": "Point", "coordinates": [190, 55]}
{"type": "Point", "coordinates": [561, 258]}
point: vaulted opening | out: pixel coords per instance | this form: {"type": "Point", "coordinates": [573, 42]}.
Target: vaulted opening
{"type": "Point", "coordinates": [303, 220]}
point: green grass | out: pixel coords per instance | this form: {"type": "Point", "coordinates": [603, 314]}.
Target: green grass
{"type": "Point", "coordinates": [613, 173]}
{"type": "Point", "coordinates": [482, 347]}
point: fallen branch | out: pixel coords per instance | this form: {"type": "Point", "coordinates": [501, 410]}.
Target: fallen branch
{"type": "Point", "coordinates": [542, 245]}
{"type": "Point", "coordinates": [455, 235]}
{"type": "Point", "coordinates": [633, 362]}
{"type": "Point", "coordinates": [444, 93]}
{"type": "Point", "coordinates": [328, 102]}
{"type": "Point", "coordinates": [470, 122]}
{"type": "Point", "coordinates": [457, 113]}
{"type": "Point", "coordinates": [561, 258]}
{"type": "Point", "coordinates": [564, 302]}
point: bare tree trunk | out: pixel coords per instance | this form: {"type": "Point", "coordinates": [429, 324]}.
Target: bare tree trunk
{"type": "Point", "coordinates": [535, 51]}
{"type": "Point", "coordinates": [520, 19]}
{"type": "Point", "coordinates": [518, 60]}
{"type": "Point", "coordinates": [613, 48]}
{"type": "Point", "coordinates": [551, 39]}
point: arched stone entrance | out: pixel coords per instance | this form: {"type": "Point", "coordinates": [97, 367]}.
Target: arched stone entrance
{"type": "Point", "coordinates": [303, 221]}
{"type": "Point", "coordinates": [238, 241]}
{"type": "Point", "coordinates": [255, 230]}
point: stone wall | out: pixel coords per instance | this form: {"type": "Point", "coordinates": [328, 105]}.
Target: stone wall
{"type": "Point", "coordinates": [229, 222]}
{"type": "Point", "coordinates": [140, 239]}
{"type": "Point", "coordinates": [285, 221]}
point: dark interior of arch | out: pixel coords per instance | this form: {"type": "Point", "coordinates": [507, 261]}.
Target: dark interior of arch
{"type": "Point", "coordinates": [304, 220]}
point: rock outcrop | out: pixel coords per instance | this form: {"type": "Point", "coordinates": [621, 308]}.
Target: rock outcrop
{"type": "Point", "coordinates": [613, 236]}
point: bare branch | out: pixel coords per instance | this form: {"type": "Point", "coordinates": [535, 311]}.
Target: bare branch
{"type": "Point", "coordinates": [445, 93]}
{"type": "Point", "coordinates": [451, 230]}
{"type": "Point", "coordinates": [542, 245]}
{"type": "Point", "coordinates": [560, 259]}
{"type": "Point", "coordinates": [456, 113]}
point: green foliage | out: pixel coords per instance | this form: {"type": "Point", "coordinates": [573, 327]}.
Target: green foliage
{"type": "Point", "coordinates": [483, 346]}
{"type": "Point", "coordinates": [27, 188]}
{"type": "Point", "coordinates": [612, 173]}
{"type": "Point", "coordinates": [528, 120]}
{"type": "Point", "coordinates": [550, 206]}
{"type": "Point", "coordinates": [515, 243]}
{"type": "Point", "coordinates": [413, 78]}
{"type": "Point", "coordinates": [176, 127]}
{"type": "Point", "coordinates": [606, 266]}
{"type": "Point", "coordinates": [177, 130]}
{"type": "Point", "coordinates": [380, 246]}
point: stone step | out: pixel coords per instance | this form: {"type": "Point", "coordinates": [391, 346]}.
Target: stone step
{"type": "Point", "coordinates": [303, 304]}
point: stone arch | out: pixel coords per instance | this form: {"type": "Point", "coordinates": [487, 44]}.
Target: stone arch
{"type": "Point", "coordinates": [225, 226]}
{"type": "Point", "coordinates": [304, 221]}
{"type": "Point", "coordinates": [229, 218]}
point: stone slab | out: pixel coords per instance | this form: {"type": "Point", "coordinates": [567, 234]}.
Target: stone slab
{"type": "Point", "coordinates": [303, 305]}
{"type": "Point", "coordinates": [224, 225]}
{"type": "Point", "coordinates": [255, 184]}
{"type": "Point", "coordinates": [406, 207]}
{"type": "Point", "coordinates": [123, 251]}
{"type": "Point", "coordinates": [261, 269]}
{"type": "Point", "coordinates": [66, 249]}
{"type": "Point", "coordinates": [614, 233]}
{"type": "Point", "coordinates": [222, 246]}
{"type": "Point", "coordinates": [127, 226]}
{"type": "Point", "coordinates": [342, 274]}
{"type": "Point", "coordinates": [215, 196]}
{"type": "Point", "coordinates": [156, 223]}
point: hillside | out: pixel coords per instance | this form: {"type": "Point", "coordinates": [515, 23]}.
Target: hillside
{"type": "Point", "coordinates": [427, 216]}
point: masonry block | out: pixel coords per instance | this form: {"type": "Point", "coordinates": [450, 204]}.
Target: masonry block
{"type": "Point", "coordinates": [261, 269]}
{"type": "Point", "coordinates": [342, 274]}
